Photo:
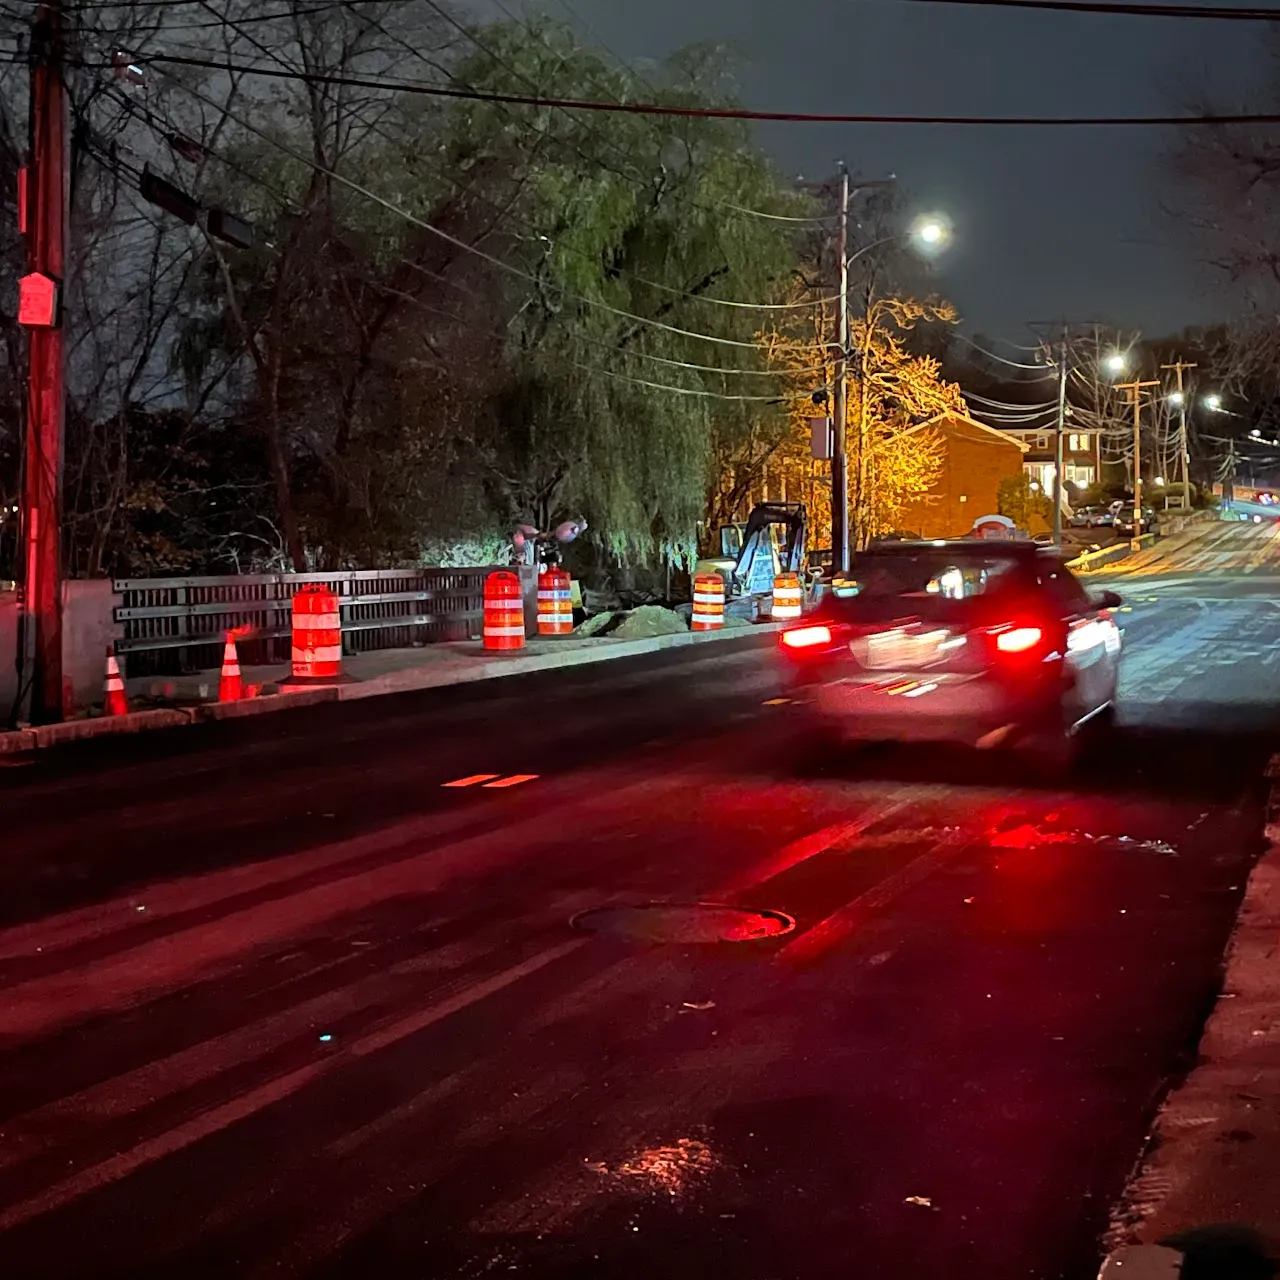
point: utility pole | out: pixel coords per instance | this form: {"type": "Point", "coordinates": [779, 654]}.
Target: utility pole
{"type": "Point", "coordinates": [1135, 390]}
{"type": "Point", "coordinates": [1057, 440]}
{"type": "Point", "coordinates": [840, 540]}
{"type": "Point", "coordinates": [44, 219]}
{"type": "Point", "coordinates": [1179, 366]}
{"type": "Point", "coordinates": [840, 442]}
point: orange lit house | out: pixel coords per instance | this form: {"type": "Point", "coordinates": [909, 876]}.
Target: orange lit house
{"type": "Point", "coordinates": [976, 458]}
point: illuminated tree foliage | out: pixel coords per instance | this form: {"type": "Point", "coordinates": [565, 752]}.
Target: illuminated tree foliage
{"type": "Point", "coordinates": [890, 389]}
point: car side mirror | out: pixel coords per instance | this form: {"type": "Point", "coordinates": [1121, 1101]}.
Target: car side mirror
{"type": "Point", "coordinates": [1109, 600]}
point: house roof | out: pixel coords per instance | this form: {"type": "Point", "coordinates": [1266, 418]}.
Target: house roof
{"type": "Point", "coordinates": [950, 415]}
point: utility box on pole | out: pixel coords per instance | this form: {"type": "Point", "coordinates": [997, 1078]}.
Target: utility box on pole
{"type": "Point", "coordinates": [821, 438]}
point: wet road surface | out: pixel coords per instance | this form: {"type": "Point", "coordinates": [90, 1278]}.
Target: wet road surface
{"type": "Point", "coordinates": [278, 1000]}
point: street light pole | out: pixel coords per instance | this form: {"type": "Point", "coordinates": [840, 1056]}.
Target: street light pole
{"type": "Point", "coordinates": [839, 445]}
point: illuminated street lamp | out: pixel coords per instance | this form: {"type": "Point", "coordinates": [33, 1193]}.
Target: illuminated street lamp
{"type": "Point", "coordinates": [1213, 403]}
{"type": "Point", "coordinates": [931, 232]}
{"type": "Point", "coordinates": [1256, 433]}
{"type": "Point", "coordinates": [1176, 399]}
{"type": "Point", "coordinates": [1115, 363]}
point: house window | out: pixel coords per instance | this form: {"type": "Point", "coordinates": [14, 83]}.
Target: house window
{"type": "Point", "coordinates": [1080, 477]}
{"type": "Point", "coordinates": [1040, 474]}
{"type": "Point", "coordinates": [1078, 442]}
{"type": "Point", "coordinates": [1039, 441]}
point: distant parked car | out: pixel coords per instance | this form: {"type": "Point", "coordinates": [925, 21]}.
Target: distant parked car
{"type": "Point", "coordinates": [1123, 523]}
{"type": "Point", "coordinates": [1092, 517]}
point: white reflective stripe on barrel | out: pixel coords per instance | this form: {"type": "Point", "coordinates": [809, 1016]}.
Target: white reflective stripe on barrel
{"type": "Point", "coordinates": [317, 621]}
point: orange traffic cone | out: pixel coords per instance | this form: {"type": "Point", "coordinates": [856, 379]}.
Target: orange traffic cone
{"type": "Point", "coordinates": [116, 702]}
{"type": "Point", "coordinates": [229, 687]}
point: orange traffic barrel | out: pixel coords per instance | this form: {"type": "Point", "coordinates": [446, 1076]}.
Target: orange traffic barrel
{"type": "Point", "coordinates": [116, 704]}
{"type": "Point", "coordinates": [555, 603]}
{"type": "Point", "coordinates": [317, 635]}
{"type": "Point", "coordinates": [503, 611]}
{"type": "Point", "coordinates": [788, 597]}
{"type": "Point", "coordinates": [708, 603]}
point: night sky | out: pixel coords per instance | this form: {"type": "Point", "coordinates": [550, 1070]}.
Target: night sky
{"type": "Point", "coordinates": [1049, 223]}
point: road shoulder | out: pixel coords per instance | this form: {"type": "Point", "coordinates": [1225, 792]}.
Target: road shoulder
{"type": "Point", "coordinates": [1214, 1152]}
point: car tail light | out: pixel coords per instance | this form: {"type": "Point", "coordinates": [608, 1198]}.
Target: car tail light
{"type": "Point", "coordinates": [807, 637]}
{"type": "Point", "coordinates": [1019, 639]}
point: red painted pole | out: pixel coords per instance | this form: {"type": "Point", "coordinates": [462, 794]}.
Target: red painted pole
{"type": "Point", "coordinates": [47, 215]}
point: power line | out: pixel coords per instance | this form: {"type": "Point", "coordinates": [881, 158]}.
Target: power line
{"type": "Point", "coordinates": [1014, 408]}
{"type": "Point", "coordinates": [152, 118]}
{"type": "Point", "coordinates": [593, 160]}
{"type": "Point", "coordinates": [636, 76]}
{"type": "Point", "coordinates": [1038, 420]}
{"type": "Point", "coordinates": [991, 355]}
{"type": "Point", "coordinates": [699, 113]}
{"type": "Point", "coordinates": [166, 26]}
{"type": "Point", "coordinates": [391, 207]}
{"type": "Point", "coordinates": [470, 34]}
{"type": "Point", "coordinates": [686, 391]}
{"type": "Point", "coordinates": [1229, 14]}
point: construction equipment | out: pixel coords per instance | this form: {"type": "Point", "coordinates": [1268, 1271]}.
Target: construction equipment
{"type": "Point", "coordinates": [772, 540]}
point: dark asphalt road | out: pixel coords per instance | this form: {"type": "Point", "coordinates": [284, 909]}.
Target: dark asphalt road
{"type": "Point", "coordinates": [277, 1001]}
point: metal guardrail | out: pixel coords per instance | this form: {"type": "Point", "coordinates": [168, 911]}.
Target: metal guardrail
{"type": "Point", "coordinates": [174, 624]}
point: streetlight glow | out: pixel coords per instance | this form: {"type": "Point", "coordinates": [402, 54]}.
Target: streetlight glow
{"type": "Point", "coordinates": [1256, 433]}
{"type": "Point", "coordinates": [931, 231]}
{"type": "Point", "coordinates": [1176, 398]}
{"type": "Point", "coordinates": [1116, 362]}
{"type": "Point", "coordinates": [1213, 403]}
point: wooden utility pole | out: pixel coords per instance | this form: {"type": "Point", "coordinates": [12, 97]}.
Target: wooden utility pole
{"type": "Point", "coordinates": [44, 218]}
{"type": "Point", "coordinates": [840, 440]}
{"type": "Point", "coordinates": [1180, 366]}
{"type": "Point", "coordinates": [1135, 390]}
{"type": "Point", "coordinates": [840, 539]}
{"type": "Point", "coordinates": [1063, 353]}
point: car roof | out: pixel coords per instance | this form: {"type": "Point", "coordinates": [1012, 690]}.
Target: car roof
{"type": "Point", "coordinates": [984, 548]}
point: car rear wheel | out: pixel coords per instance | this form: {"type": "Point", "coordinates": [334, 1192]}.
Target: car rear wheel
{"type": "Point", "coordinates": [1049, 753]}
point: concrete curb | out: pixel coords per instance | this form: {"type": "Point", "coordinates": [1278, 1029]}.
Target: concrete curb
{"type": "Point", "coordinates": [1093, 559]}
{"type": "Point", "coordinates": [407, 681]}
{"type": "Point", "coordinates": [267, 704]}
{"type": "Point", "coordinates": [520, 664]}
{"type": "Point", "coordinates": [1181, 1171]}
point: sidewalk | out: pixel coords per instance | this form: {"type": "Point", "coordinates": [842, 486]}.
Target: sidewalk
{"type": "Point", "coordinates": [384, 671]}
{"type": "Point", "coordinates": [177, 700]}
{"type": "Point", "coordinates": [1214, 1154]}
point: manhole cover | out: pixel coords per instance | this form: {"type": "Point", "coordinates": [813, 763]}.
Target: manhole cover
{"type": "Point", "coordinates": [684, 922]}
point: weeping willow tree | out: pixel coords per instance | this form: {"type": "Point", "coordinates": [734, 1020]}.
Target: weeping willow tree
{"type": "Point", "coordinates": [466, 315]}
{"type": "Point", "coordinates": [624, 370]}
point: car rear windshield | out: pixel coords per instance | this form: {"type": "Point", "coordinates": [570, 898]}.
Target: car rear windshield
{"type": "Point", "coordinates": [932, 583]}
